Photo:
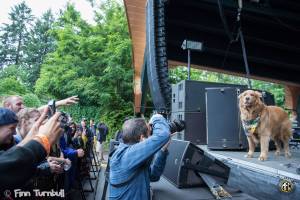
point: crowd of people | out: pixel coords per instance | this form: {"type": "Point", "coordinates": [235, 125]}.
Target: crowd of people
{"type": "Point", "coordinates": [57, 155]}
{"type": "Point", "coordinates": [38, 151]}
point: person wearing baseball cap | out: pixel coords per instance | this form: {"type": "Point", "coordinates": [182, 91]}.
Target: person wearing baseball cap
{"type": "Point", "coordinates": [32, 150]}
{"type": "Point", "coordinates": [8, 124]}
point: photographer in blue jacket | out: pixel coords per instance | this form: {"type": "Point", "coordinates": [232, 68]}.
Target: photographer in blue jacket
{"type": "Point", "coordinates": [140, 159]}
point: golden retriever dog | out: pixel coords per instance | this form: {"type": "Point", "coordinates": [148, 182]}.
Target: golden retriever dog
{"type": "Point", "coordinates": [262, 123]}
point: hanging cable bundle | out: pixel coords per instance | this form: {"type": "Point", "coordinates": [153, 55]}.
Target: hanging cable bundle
{"type": "Point", "coordinates": [239, 35]}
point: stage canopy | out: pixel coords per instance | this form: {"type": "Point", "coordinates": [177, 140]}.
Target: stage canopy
{"type": "Point", "coordinates": [270, 28]}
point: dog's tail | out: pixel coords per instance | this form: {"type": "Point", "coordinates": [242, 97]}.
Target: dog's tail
{"type": "Point", "coordinates": [287, 129]}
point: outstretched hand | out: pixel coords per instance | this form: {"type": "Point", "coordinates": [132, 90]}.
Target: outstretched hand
{"type": "Point", "coordinates": [68, 101]}
{"type": "Point", "coordinates": [65, 102]}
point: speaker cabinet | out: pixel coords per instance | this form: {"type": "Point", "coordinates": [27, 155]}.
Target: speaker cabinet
{"type": "Point", "coordinates": [184, 154]}
{"type": "Point", "coordinates": [195, 126]}
{"type": "Point", "coordinates": [224, 128]}
{"type": "Point", "coordinates": [189, 96]}
{"type": "Point", "coordinates": [188, 103]}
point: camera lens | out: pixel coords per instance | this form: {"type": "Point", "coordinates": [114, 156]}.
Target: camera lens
{"type": "Point", "coordinates": [176, 126]}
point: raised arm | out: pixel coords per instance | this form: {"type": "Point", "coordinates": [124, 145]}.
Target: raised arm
{"type": "Point", "coordinates": [18, 164]}
{"type": "Point", "coordinates": [65, 102]}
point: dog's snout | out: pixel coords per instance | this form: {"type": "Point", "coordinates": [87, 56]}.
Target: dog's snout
{"type": "Point", "coordinates": [247, 98]}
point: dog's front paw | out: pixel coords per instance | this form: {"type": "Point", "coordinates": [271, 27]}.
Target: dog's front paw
{"type": "Point", "coordinates": [249, 155]}
{"type": "Point", "coordinates": [277, 153]}
{"type": "Point", "coordinates": [262, 158]}
{"type": "Point", "coordinates": [288, 154]}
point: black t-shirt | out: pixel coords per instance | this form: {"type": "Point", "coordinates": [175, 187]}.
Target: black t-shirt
{"type": "Point", "coordinates": [103, 132]}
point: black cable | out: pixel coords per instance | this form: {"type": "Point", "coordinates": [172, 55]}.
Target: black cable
{"type": "Point", "coordinates": [229, 34]}
{"type": "Point", "coordinates": [284, 24]}
{"type": "Point", "coordinates": [226, 54]}
{"type": "Point", "coordinates": [228, 47]}
{"type": "Point", "coordinates": [280, 21]}
{"type": "Point", "coordinates": [232, 39]}
{"type": "Point", "coordinates": [224, 21]}
{"type": "Point", "coordinates": [245, 58]}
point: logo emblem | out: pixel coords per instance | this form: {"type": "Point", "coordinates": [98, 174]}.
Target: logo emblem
{"type": "Point", "coordinates": [286, 186]}
{"type": "Point", "coordinates": [7, 193]}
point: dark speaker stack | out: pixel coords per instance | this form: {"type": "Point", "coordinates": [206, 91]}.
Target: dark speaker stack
{"type": "Point", "coordinates": [224, 128]}
{"type": "Point", "coordinates": [189, 104]}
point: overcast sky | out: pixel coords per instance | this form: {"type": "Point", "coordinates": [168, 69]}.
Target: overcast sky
{"type": "Point", "coordinates": [40, 6]}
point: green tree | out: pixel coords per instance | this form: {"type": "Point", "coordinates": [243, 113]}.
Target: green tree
{"type": "Point", "coordinates": [13, 71]}
{"type": "Point", "coordinates": [40, 43]}
{"type": "Point", "coordinates": [11, 86]}
{"type": "Point", "coordinates": [15, 35]}
{"type": "Point", "coordinates": [92, 61]}
{"type": "Point", "coordinates": [116, 57]}
{"type": "Point", "coordinates": [4, 46]}
{"type": "Point", "coordinates": [31, 100]}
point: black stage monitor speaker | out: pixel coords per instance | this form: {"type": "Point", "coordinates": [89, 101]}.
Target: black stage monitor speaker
{"type": "Point", "coordinates": [184, 158]}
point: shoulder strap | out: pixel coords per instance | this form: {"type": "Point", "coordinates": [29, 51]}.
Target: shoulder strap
{"type": "Point", "coordinates": [106, 174]}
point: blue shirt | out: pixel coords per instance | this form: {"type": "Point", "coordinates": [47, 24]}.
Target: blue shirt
{"type": "Point", "coordinates": [68, 152]}
{"type": "Point", "coordinates": [131, 164]}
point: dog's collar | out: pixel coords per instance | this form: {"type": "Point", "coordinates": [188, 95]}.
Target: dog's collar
{"type": "Point", "coordinates": [250, 125]}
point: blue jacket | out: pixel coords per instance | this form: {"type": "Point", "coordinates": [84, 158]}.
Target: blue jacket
{"type": "Point", "coordinates": [131, 166]}
{"type": "Point", "coordinates": [67, 151]}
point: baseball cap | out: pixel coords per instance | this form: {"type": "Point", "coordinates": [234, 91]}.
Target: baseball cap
{"type": "Point", "coordinates": [7, 117]}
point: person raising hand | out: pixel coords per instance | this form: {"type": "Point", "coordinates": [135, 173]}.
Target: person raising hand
{"type": "Point", "coordinates": [30, 152]}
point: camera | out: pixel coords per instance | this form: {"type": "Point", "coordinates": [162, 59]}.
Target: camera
{"type": "Point", "coordinates": [64, 164]}
{"type": "Point", "coordinates": [52, 108]}
{"type": "Point", "coordinates": [176, 125]}
{"type": "Point", "coordinates": [63, 118]}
